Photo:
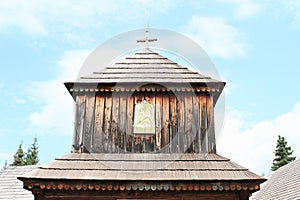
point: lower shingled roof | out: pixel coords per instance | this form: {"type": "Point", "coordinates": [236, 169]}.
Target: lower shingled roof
{"type": "Point", "coordinates": [11, 187]}
{"type": "Point", "coordinates": [143, 167]}
{"type": "Point", "coordinates": [283, 184]}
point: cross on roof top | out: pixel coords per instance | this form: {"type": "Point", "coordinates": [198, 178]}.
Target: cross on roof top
{"type": "Point", "coordinates": [147, 39]}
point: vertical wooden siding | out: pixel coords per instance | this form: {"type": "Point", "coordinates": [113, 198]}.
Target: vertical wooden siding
{"type": "Point", "coordinates": [104, 123]}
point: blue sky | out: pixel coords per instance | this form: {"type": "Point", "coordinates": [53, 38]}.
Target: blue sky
{"type": "Point", "coordinates": [254, 45]}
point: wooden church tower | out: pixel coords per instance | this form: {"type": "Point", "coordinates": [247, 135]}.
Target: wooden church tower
{"type": "Point", "coordinates": [144, 129]}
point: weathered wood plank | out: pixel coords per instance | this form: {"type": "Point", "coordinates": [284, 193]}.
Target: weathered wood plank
{"type": "Point", "coordinates": [211, 126]}
{"type": "Point", "coordinates": [129, 132]}
{"type": "Point", "coordinates": [89, 122]}
{"type": "Point", "coordinates": [188, 122]}
{"type": "Point", "coordinates": [166, 120]}
{"type": "Point", "coordinates": [97, 144]}
{"type": "Point", "coordinates": [79, 124]}
{"type": "Point", "coordinates": [122, 123]}
{"type": "Point", "coordinates": [196, 123]}
{"type": "Point", "coordinates": [203, 126]}
{"type": "Point", "coordinates": [180, 114]}
{"type": "Point", "coordinates": [107, 123]}
{"type": "Point", "coordinates": [114, 123]}
{"type": "Point", "coordinates": [150, 144]}
{"type": "Point", "coordinates": [173, 132]}
{"type": "Point", "coordinates": [158, 118]}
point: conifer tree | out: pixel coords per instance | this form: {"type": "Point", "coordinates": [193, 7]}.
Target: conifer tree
{"type": "Point", "coordinates": [19, 159]}
{"type": "Point", "coordinates": [32, 154]}
{"type": "Point", "coordinates": [282, 154]}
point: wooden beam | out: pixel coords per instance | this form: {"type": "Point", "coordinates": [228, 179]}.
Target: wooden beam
{"type": "Point", "coordinates": [158, 120]}
{"type": "Point", "coordinates": [211, 125]}
{"type": "Point", "coordinates": [79, 124]}
{"type": "Point", "coordinates": [97, 144]}
{"type": "Point", "coordinates": [107, 123]}
{"type": "Point", "coordinates": [114, 123]}
{"type": "Point", "coordinates": [89, 122]}
{"type": "Point", "coordinates": [181, 114]}
{"type": "Point", "coordinates": [165, 118]}
{"type": "Point", "coordinates": [129, 132]}
{"type": "Point", "coordinates": [173, 132]}
{"type": "Point", "coordinates": [188, 123]}
{"type": "Point", "coordinates": [122, 123]}
{"type": "Point", "coordinates": [196, 123]}
{"type": "Point", "coordinates": [203, 124]}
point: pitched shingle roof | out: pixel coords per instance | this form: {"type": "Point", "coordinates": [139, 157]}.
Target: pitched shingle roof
{"type": "Point", "coordinates": [148, 67]}
{"type": "Point", "coordinates": [140, 167]}
{"type": "Point", "coordinates": [283, 184]}
{"type": "Point", "coordinates": [11, 187]}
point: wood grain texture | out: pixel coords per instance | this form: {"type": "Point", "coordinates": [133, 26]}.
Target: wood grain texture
{"type": "Point", "coordinates": [107, 123]}
{"type": "Point", "coordinates": [129, 133]}
{"type": "Point", "coordinates": [203, 129]}
{"type": "Point", "coordinates": [188, 125]}
{"type": "Point", "coordinates": [79, 124]}
{"type": "Point", "coordinates": [89, 123]}
{"type": "Point", "coordinates": [158, 120]}
{"type": "Point", "coordinates": [196, 123]}
{"type": "Point", "coordinates": [114, 123]}
{"type": "Point", "coordinates": [97, 144]}
{"type": "Point", "coordinates": [122, 123]}
{"type": "Point", "coordinates": [181, 117]}
{"type": "Point", "coordinates": [211, 126]}
{"type": "Point", "coordinates": [173, 132]}
{"type": "Point", "coordinates": [166, 121]}
{"type": "Point", "coordinates": [183, 123]}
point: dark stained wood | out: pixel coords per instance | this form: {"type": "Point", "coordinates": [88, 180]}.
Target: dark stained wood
{"type": "Point", "coordinates": [188, 125]}
{"type": "Point", "coordinates": [203, 119]}
{"type": "Point", "coordinates": [123, 195]}
{"type": "Point", "coordinates": [173, 132]}
{"type": "Point", "coordinates": [181, 116]}
{"type": "Point", "coordinates": [97, 144]}
{"type": "Point", "coordinates": [129, 134]}
{"type": "Point", "coordinates": [183, 123]}
{"type": "Point", "coordinates": [89, 122]}
{"type": "Point", "coordinates": [122, 123]}
{"type": "Point", "coordinates": [158, 120]}
{"type": "Point", "coordinates": [211, 125]}
{"type": "Point", "coordinates": [107, 123]}
{"type": "Point", "coordinates": [114, 123]}
{"type": "Point", "coordinates": [196, 123]}
{"type": "Point", "coordinates": [165, 123]}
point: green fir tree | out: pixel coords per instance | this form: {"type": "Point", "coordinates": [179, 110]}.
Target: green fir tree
{"type": "Point", "coordinates": [19, 159]}
{"type": "Point", "coordinates": [32, 154]}
{"type": "Point", "coordinates": [282, 154]}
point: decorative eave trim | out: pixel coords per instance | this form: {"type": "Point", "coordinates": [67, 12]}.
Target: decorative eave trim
{"type": "Point", "coordinates": [141, 186]}
{"type": "Point", "coordinates": [144, 89]}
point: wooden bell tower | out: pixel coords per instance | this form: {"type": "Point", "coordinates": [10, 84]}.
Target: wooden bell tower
{"type": "Point", "coordinates": [143, 129]}
{"type": "Point", "coordinates": [145, 103]}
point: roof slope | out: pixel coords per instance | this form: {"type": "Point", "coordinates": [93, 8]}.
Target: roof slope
{"type": "Point", "coordinates": [11, 187]}
{"type": "Point", "coordinates": [140, 167]}
{"type": "Point", "coordinates": [146, 66]}
{"type": "Point", "coordinates": [283, 184]}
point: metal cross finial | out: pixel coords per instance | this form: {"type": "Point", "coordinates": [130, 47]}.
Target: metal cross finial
{"type": "Point", "coordinates": [147, 39]}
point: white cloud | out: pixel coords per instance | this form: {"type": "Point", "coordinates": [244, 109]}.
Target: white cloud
{"type": "Point", "coordinates": [19, 14]}
{"type": "Point", "coordinates": [56, 116]}
{"type": "Point", "coordinates": [244, 8]}
{"type": "Point", "coordinates": [52, 19]}
{"type": "Point", "coordinates": [290, 9]}
{"type": "Point", "coordinates": [215, 36]}
{"type": "Point", "coordinates": [253, 147]}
